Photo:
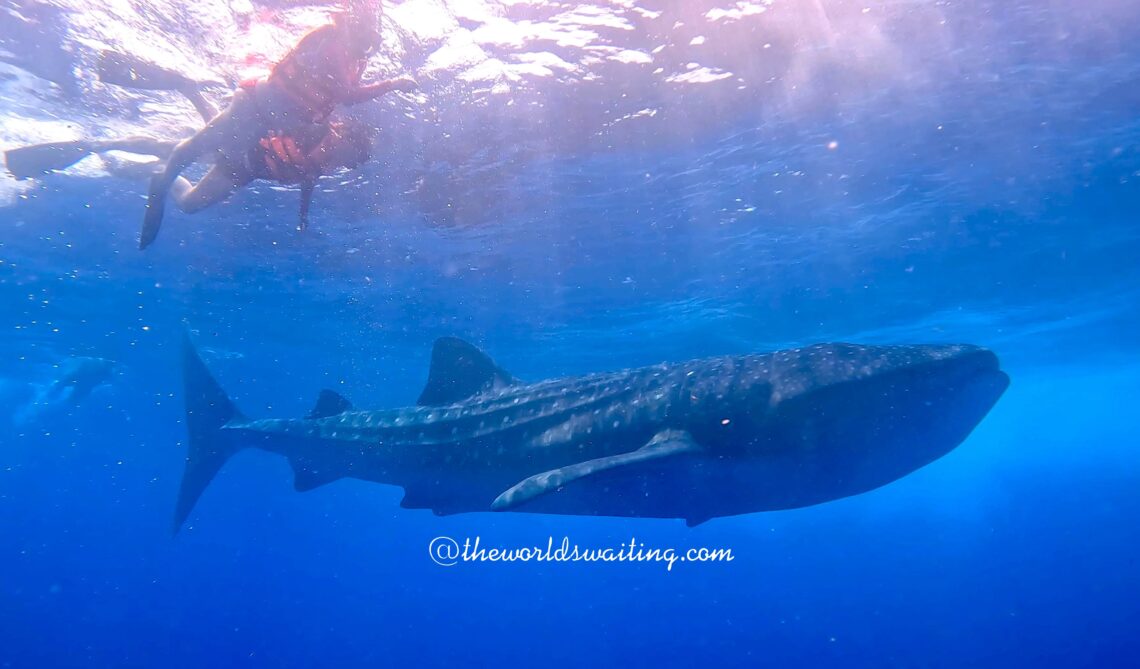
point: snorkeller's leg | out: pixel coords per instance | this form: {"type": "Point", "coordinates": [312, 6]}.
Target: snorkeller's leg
{"type": "Point", "coordinates": [143, 146]}
{"type": "Point", "coordinates": [130, 72]}
{"type": "Point", "coordinates": [218, 184]}
{"type": "Point", "coordinates": [238, 127]}
{"type": "Point", "coordinates": [204, 107]}
{"type": "Point", "coordinates": [206, 140]}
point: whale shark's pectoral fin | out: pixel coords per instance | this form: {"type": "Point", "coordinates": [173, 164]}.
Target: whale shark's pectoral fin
{"type": "Point", "coordinates": [329, 403]}
{"type": "Point", "coordinates": [666, 444]}
{"type": "Point", "coordinates": [306, 476]}
{"type": "Point", "coordinates": [458, 371]}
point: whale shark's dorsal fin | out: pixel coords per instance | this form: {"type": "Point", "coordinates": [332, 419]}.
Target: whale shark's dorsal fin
{"type": "Point", "coordinates": [458, 371]}
{"type": "Point", "coordinates": [329, 403]}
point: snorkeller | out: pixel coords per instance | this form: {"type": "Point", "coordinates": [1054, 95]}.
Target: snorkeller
{"type": "Point", "coordinates": [297, 159]}
{"type": "Point", "coordinates": [324, 70]}
{"type": "Point", "coordinates": [300, 158]}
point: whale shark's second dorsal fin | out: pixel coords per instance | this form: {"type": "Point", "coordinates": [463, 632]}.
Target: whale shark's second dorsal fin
{"type": "Point", "coordinates": [458, 371]}
{"type": "Point", "coordinates": [329, 403]}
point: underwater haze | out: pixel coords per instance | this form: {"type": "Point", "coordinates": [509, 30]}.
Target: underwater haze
{"type": "Point", "coordinates": [581, 187]}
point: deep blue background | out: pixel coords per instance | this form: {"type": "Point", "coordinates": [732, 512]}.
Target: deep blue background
{"type": "Point", "coordinates": [996, 206]}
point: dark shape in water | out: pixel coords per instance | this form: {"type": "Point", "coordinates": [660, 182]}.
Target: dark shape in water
{"type": "Point", "coordinates": [77, 378]}
{"type": "Point", "coordinates": [692, 440]}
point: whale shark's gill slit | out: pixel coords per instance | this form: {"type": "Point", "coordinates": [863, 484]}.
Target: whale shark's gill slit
{"type": "Point", "coordinates": [591, 388]}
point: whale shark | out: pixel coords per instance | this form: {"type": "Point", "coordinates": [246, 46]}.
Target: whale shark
{"type": "Point", "coordinates": [78, 377]}
{"type": "Point", "coordinates": [73, 380]}
{"type": "Point", "coordinates": [689, 440]}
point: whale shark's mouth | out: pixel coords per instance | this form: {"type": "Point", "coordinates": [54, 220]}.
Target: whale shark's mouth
{"type": "Point", "coordinates": [975, 371]}
{"type": "Point", "coordinates": [948, 398]}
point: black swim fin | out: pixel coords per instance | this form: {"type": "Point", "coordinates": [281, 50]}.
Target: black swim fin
{"type": "Point", "coordinates": [152, 219]}
{"type": "Point", "coordinates": [129, 71]}
{"type": "Point", "coordinates": [31, 161]}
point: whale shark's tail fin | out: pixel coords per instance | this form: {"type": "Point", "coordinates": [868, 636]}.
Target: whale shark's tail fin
{"type": "Point", "coordinates": [207, 410]}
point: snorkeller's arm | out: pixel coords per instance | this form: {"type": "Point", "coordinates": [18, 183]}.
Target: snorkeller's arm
{"type": "Point", "coordinates": [373, 91]}
{"type": "Point", "coordinates": [285, 163]}
{"type": "Point", "coordinates": [307, 187]}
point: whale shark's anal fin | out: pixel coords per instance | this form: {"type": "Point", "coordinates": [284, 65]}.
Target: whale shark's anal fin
{"type": "Point", "coordinates": [458, 371]}
{"type": "Point", "coordinates": [666, 444]}
{"type": "Point", "coordinates": [329, 403]}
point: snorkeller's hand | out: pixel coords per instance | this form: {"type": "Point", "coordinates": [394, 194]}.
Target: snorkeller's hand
{"type": "Point", "coordinates": [372, 91]}
{"type": "Point", "coordinates": [404, 84]}
{"type": "Point", "coordinates": [285, 161]}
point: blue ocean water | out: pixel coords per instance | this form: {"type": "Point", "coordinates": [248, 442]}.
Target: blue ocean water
{"type": "Point", "coordinates": [975, 183]}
